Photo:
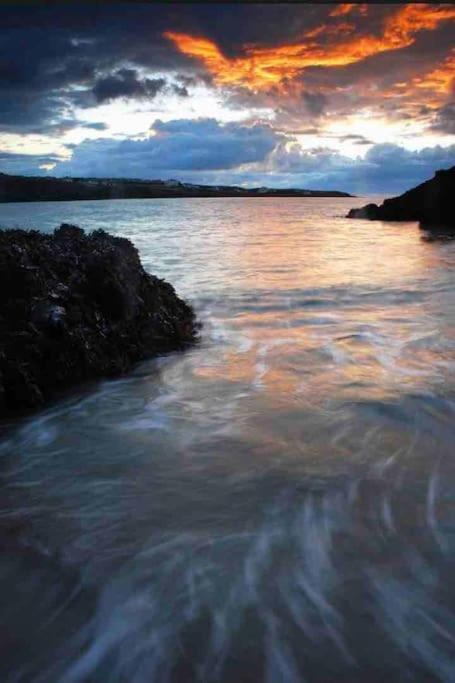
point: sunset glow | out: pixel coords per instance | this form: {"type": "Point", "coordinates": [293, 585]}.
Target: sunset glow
{"type": "Point", "coordinates": [313, 96]}
{"type": "Point", "coordinates": [227, 335]}
{"type": "Point", "coordinates": [262, 68]}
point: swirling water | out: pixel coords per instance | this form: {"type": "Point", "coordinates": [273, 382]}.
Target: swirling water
{"type": "Point", "coordinates": [271, 505]}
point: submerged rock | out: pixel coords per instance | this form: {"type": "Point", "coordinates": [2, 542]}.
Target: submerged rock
{"type": "Point", "coordinates": [77, 306]}
{"type": "Point", "coordinates": [431, 203]}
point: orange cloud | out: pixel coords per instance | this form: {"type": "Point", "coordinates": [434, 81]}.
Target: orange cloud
{"type": "Point", "coordinates": [400, 28]}
{"type": "Point", "coordinates": [440, 80]}
{"type": "Point", "coordinates": [435, 86]}
{"type": "Point", "coordinates": [262, 68]}
{"type": "Point", "coordinates": [343, 9]}
{"type": "Point", "coordinates": [431, 87]}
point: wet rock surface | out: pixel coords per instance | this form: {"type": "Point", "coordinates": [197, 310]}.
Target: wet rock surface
{"type": "Point", "coordinates": [77, 306]}
{"type": "Point", "coordinates": [431, 203]}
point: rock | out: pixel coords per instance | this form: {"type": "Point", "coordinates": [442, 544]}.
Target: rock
{"type": "Point", "coordinates": [431, 204]}
{"type": "Point", "coordinates": [47, 313]}
{"type": "Point", "coordinates": [77, 306]}
{"type": "Point", "coordinates": [370, 212]}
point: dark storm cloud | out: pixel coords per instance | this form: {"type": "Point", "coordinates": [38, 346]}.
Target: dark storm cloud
{"type": "Point", "coordinates": [47, 51]}
{"type": "Point", "coordinates": [134, 31]}
{"type": "Point", "coordinates": [26, 112]}
{"type": "Point", "coordinates": [51, 58]}
{"type": "Point", "coordinates": [125, 83]}
{"type": "Point", "coordinates": [37, 68]}
{"type": "Point", "coordinates": [55, 57]}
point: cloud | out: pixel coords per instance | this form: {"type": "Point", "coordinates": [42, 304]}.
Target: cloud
{"type": "Point", "coordinates": [324, 57]}
{"type": "Point", "coordinates": [315, 102]}
{"type": "Point", "coordinates": [261, 68]}
{"type": "Point", "coordinates": [386, 60]}
{"type": "Point", "coordinates": [444, 119]}
{"type": "Point", "coordinates": [28, 113]}
{"type": "Point", "coordinates": [51, 59]}
{"type": "Point", "coordinates": [385, 168]}
{"type": "Point", "coordinates": [353, 137]}
{"type": "Point", "coordinates": [385, 171]}
{"type": "Point", "coordinates": [203, 151]}
{"type": "Point", "coordinates": [125, 83]}
{"type": "Point", "coordinates": [307, 68]}
{"type": "Point", "coordinates": [180, 90]}
{"type": "Point", "coordinates": [36, 75]}
{"type": "Point", "coordinates": [180, 145]}
{"type": "Point", "coordinates": [28, 164]}
{"type": "Point", "coordinates": [96, 125]}
{"type": "Point", "coordinates": [342, 9]}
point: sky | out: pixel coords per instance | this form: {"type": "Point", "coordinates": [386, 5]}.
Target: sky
{"type": "Point", "coordinates": [351, 97]}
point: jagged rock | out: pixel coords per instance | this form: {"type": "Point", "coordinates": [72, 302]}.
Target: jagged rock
{"type": "Point", "coordinates": [76, 306]}
{"type": "Point", "coordinates": [431, 203]}
{"type": "Point", "coordinates": [369, 211]}
{"type": "Point", "coordinates": [46, 313]}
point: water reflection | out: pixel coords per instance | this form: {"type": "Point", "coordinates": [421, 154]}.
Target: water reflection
{"type": "Point", "coordinates": [273, 505]}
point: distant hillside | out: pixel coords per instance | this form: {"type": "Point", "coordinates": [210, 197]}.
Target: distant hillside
{"type": "Point", "coordinates": [16, 188]}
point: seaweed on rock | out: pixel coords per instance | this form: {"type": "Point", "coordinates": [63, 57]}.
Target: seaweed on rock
{"type": "Point", "coordinates": [77, 306]}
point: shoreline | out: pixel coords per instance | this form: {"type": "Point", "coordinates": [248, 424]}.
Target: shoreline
{"type": "Point", "coordinates": [190, 196]}
{"type": "Point", "coordinates": [17, 188]}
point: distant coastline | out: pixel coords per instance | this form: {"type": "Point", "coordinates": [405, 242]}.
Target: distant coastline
{"type": "Point", "coordinates": [17, 188]}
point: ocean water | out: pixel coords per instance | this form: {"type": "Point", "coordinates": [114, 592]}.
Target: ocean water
{"type": "Point", "coordinates": [276, 503]}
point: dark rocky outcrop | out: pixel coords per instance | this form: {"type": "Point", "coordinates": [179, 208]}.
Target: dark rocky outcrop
{"type": "Point", "coordinates": [432, 204]}
{"type": "Point", "coordinates": [76, 306]}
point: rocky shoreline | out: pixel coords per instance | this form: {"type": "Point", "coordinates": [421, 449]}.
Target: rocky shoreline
{"type": "Point", "coordinates": [431, 204]}
{"type": "Point", "coordinates": [75, 307]}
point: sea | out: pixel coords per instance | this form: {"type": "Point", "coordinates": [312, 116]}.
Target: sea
{"type": "Point", "coordinates": [276, 503]}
